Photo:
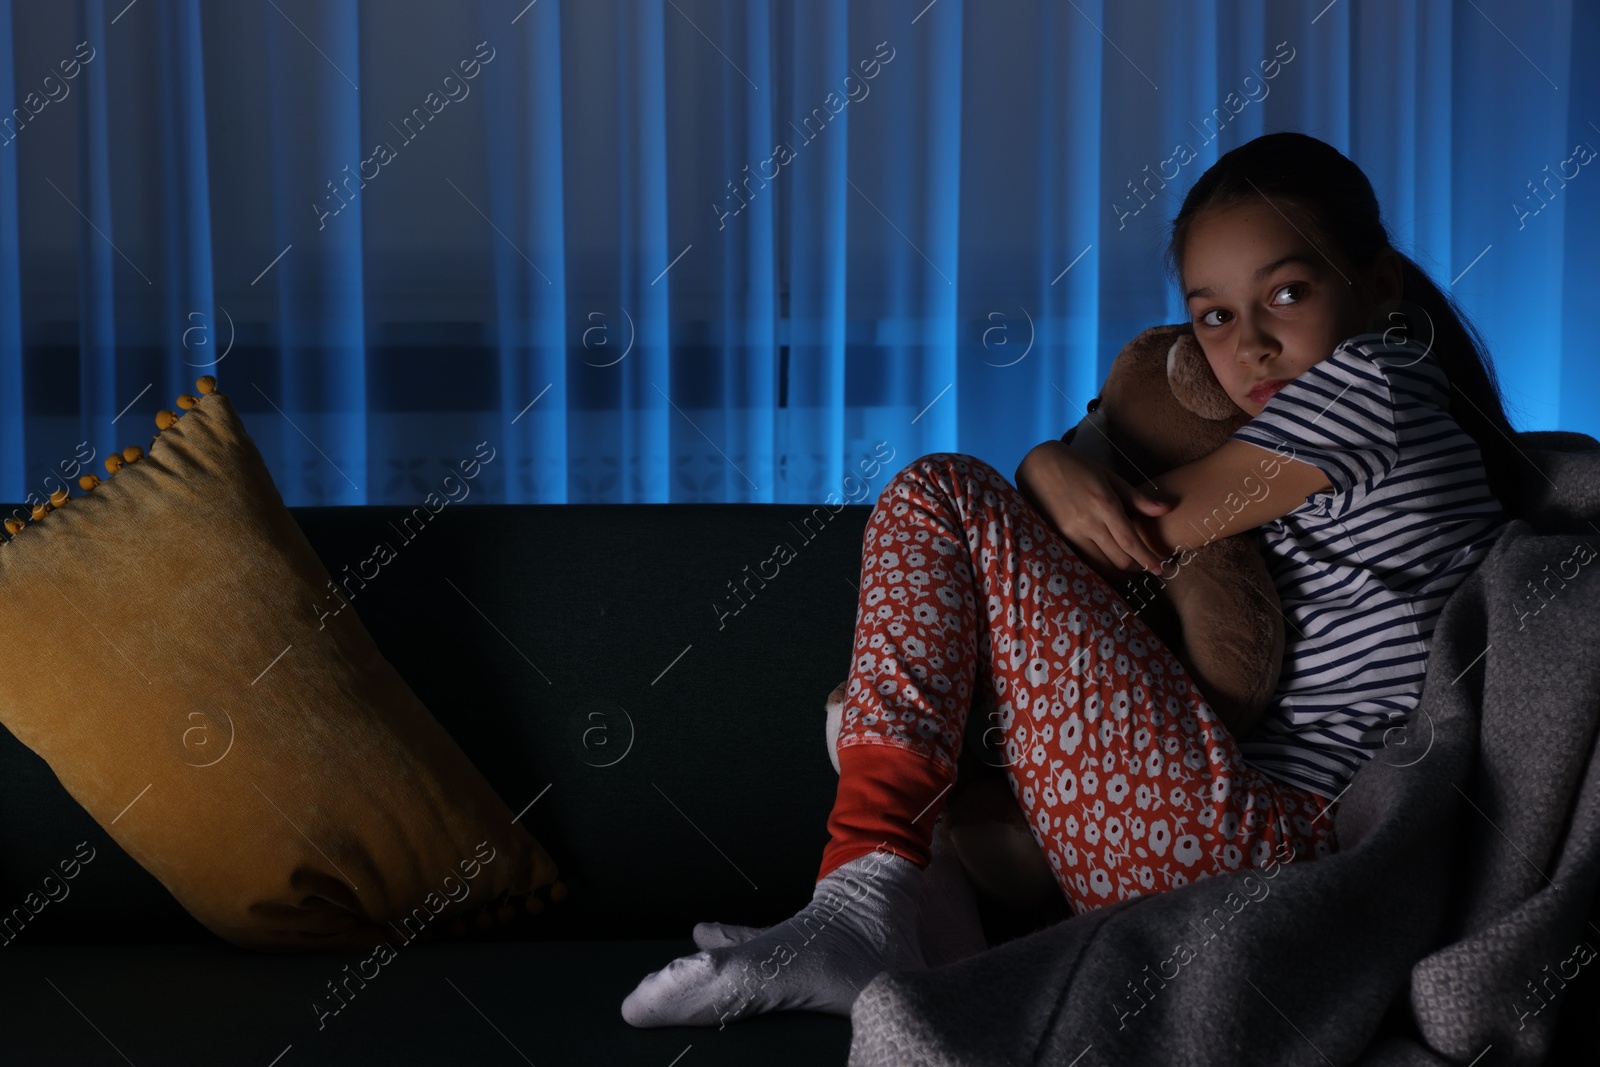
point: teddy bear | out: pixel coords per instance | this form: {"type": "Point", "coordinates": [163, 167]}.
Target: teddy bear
{"type": "Point", "coordinates": [1160, 407]}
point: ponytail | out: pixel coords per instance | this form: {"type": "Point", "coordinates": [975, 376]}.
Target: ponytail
{"type": "Point", "coordinates": [1475, 399]}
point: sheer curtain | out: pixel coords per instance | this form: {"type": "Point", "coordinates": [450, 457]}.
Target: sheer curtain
{"type": "Point", "coordinates": [717, 250]}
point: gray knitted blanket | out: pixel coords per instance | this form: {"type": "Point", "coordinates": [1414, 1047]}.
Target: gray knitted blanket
{"type": "Point", "coordinates": [1469, 858]}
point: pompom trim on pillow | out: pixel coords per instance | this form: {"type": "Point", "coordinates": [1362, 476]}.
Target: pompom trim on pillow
{"type": "Point", "coordinates": [165, 420]}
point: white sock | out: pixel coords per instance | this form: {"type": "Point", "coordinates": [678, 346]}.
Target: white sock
{"type": "Point", "coordinates": [949, 927]}
{"type": "Point", "coordinates": [862, 920]}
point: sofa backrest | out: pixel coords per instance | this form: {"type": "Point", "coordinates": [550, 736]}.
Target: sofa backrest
{"type": "Point", "coordinates": [645, 683]}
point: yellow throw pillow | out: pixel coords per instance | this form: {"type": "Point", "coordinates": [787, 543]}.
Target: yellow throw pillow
{"type": "Point", "coordinates": [268, 767]}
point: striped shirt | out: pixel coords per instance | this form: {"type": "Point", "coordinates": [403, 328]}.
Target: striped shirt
{"type": "Point", "coordinates": [1363, 569]}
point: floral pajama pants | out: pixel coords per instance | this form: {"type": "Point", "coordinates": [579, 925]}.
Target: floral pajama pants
{"type": "Point", "coordinates": [1130, 782]}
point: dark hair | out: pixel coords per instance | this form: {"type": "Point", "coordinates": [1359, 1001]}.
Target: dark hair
{"type": "Point", "coordinates": [1330, 201]}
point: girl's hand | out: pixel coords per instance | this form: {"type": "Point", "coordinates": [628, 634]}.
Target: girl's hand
{"type": "Point", "coordinates": [1092, 507]}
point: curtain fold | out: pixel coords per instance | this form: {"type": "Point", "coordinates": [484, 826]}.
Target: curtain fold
{"type": "Point", "coordinates": [812, 334]}
{"type": "Point", "coordinates": [190, 333]}
{"type": "Point", "coordinates": [717, 250]}
{"type": "Point", "coordinates": [742, 352]}
{"type": "Point", "coordinates": [316, 385]}
{"type": "Point", "coordinates": [525, 157]}
{"type": "Point", "coordinates": [13, 441]}
{"type": "Point", "coordinates": [89, 197]}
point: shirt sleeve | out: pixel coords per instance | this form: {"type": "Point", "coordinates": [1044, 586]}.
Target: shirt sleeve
{"type": "Point", "coordinates": [1339, 415]}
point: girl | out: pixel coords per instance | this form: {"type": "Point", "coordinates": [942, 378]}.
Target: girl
{"type": "Point", "coordinates": [1378, 425]}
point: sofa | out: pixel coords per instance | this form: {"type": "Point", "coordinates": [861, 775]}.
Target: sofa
{"type": "Point", "coordinates": [641, 682]}
{"type": "Point", "coordinates": [666, 742]}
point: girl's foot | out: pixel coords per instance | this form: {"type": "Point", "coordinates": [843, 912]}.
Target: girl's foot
{"type": "Point", "coordinates": [949, 927]}
{"type": "Point", "coordinates": [862, 920]}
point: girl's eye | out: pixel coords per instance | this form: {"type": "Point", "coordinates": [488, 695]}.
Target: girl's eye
{"type": "Point", "coordinates": [1298, 288]}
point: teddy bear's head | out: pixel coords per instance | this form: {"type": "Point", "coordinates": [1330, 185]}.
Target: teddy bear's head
{"type": "Point", "coordinates": [1161, 405]}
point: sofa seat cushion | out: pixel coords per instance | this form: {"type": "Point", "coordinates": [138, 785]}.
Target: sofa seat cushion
{"type": "Point", "coordinates": [492, 1003]}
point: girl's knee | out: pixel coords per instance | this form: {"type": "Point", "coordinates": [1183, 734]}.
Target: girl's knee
{"type": "Point", "coordinates": [947, 470]}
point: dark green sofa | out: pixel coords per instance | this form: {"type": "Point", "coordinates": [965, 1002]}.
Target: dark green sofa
{"type": "Point", "coordinates": [592, 657]}
{"type": "Point", "coordinates": [595, 664]}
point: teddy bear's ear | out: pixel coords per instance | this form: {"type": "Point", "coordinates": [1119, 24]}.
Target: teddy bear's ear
{"type": "Point", "coordinates": [1194, 385]}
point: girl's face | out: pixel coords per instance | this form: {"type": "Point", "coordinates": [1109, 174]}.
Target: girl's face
{"type": "Point", "coordinates": [1265, 304]}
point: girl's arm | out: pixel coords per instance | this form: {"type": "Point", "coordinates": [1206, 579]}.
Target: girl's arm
{"type": "Point", "coordinates": [1089, 505]}
{"type": "Point", "coordinates": [1236, 487]}
{"type": "Point", "coordinates": [1120, 529]}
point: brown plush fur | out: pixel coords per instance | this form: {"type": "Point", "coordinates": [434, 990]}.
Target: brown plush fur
{"type": "Point", "coordinates": [1161, 407]}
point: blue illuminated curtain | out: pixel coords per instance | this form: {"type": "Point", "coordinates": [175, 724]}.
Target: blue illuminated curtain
{"type": "Point", "coordinates": [717, 250]}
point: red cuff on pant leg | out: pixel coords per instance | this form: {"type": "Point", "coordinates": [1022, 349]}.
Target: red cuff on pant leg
{"type": "Point", "coordinates": [882, 788]}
